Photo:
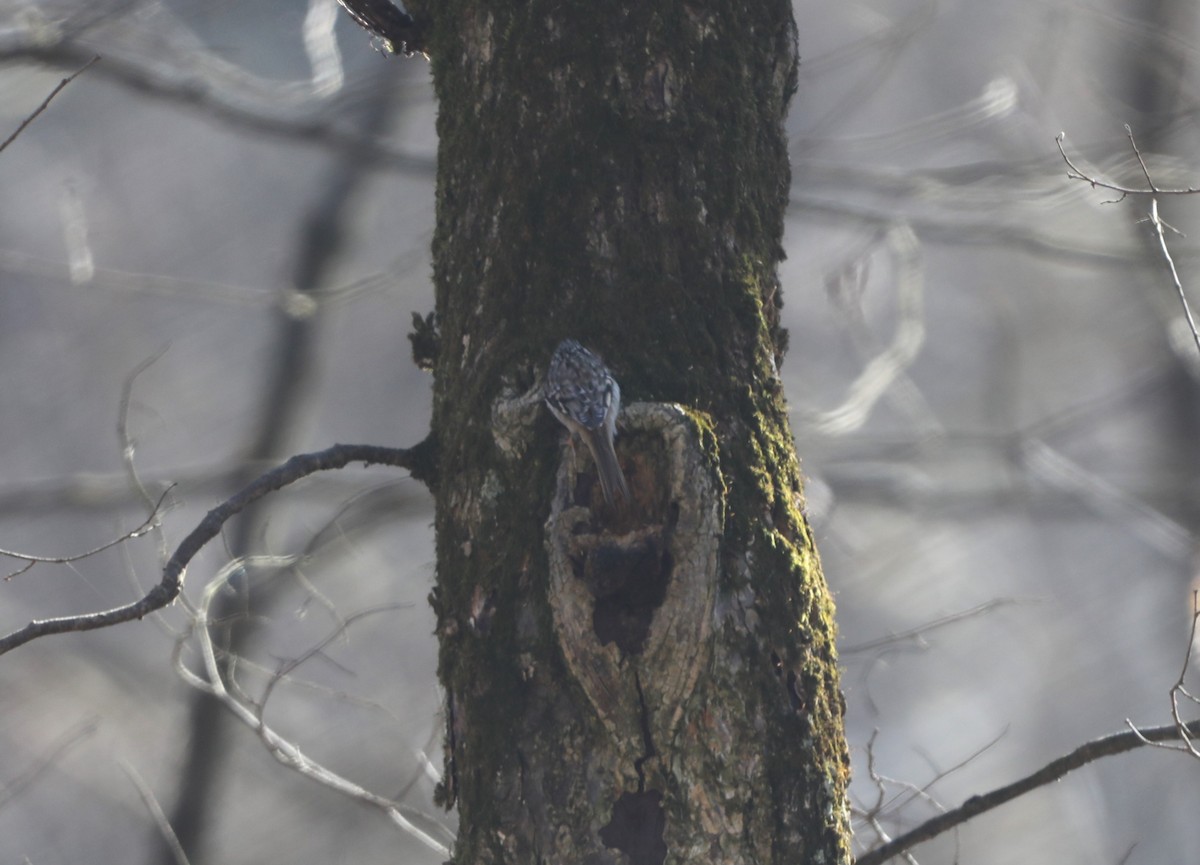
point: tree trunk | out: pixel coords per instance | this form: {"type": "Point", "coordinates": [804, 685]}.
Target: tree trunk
{"type": "Point", "coordinates": [657, 680]}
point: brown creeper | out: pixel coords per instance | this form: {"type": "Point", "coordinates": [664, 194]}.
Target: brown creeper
{"type": "Point", "coordinates": [583, 395]}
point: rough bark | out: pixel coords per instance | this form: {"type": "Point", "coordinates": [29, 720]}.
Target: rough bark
{"type": "Point", "coordinates": [658, 683]}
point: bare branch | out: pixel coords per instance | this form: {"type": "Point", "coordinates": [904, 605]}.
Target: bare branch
{"type": "Point", "coordinates": [1077, 173]}
{"type": "Point", "coordinates": [46, 102]}
{"type": "Point", "coordinates": [414, 459]}
{"type": "Point", "coordinates": [1118, 743]}
{"type": "Point", "coordinates": [282, 749]}
{"type": "Point", "coordinates": [1089, 752]}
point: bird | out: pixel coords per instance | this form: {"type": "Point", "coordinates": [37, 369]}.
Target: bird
{"type": "Point", "coordinates": [584, 396]}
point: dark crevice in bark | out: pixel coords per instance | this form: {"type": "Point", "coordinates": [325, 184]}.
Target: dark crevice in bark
{"type": "Point", "coordinates": [637, 828]}
{"type": "Point", "coordinates": [629, 582]}
{"type": "Point", "coordinates": [638, 824]}
{"type": "Point", "coordinates": [647, 739]}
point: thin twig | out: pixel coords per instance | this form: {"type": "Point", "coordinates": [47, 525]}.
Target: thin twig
{"type": "Point", "coordinates": [128, 445]}
{"type": "Point", "coordinates": [286, 669]}
{"type": "Point", "coordinates": [31, 560]}
{"type": "Point", "coordinates": [919, 631]}
{"type": "Point", "coordinates": [1162, 244]}
{"type": "Point", "coordinates": [1141, 162]}
{"type": "Point", "coordinates": [46, 102]}
{"type": "Point", "coordinates": [128, 450]}
{"type": "Point", "coordinates": [961, 764]}
{"type": "Point", "coordinates": [1153, 191]}
{"type": "Point", "coordinates": [896, 803]}
{"type": "Point", "coordinates": [872, 815]}
{"type": "Point", "coordinates": [1187, 746]}
{"type": "Point", "coordinates": [1077, 173]}
{"type": "Point", "coordinates": [1128, 853]}
{"type": "Point", "coordinates": [1179, 688]}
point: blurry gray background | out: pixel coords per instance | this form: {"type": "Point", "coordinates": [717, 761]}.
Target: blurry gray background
{"type": "Point", "coordinates": [993, 393]}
